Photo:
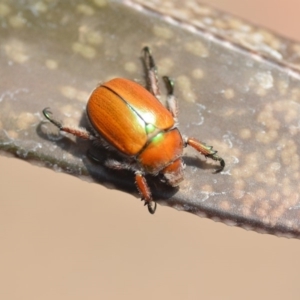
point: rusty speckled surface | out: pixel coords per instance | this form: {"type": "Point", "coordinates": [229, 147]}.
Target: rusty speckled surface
{"type": "Point", "coordinates": [244, 104]}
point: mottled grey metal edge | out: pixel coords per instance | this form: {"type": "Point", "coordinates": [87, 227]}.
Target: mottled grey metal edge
{"type": "Point", "coordinates": [243, 104]}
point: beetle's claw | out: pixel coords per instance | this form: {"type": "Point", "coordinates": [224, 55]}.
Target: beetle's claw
{"type": "Point", "coordinates": [169, 84]}
{"type": "Point", "coordinates": [151, 207]}
{"type": "Point", "coordinates": [213, 155]}
{"type": "Point", "coordinates": [146, 49]}
{"type": "Point", "coordinates": [150, 64]}
{"type": "Point", "coordinates": [222, 163]}
{"type": "Point", "coordinates": [47, 113]}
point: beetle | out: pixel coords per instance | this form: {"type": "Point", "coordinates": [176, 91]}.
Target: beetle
{"type": "Point", "coordinates": [131, 120]}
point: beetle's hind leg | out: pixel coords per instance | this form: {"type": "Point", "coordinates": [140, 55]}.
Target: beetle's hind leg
{"type": "Point", "coordinates": [81, 133]}
{"type": "Point", "coordinates": [151, 73]}
{"type": "Point", "coordinates": [172, 104]}
{"type": "Point", "coordinates": [207, 151]}
{"type": "Point", "coordinates": [152, 82]}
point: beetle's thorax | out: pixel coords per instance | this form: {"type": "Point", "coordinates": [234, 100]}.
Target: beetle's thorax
{"type": "Point", "coordinates": [161, 151]}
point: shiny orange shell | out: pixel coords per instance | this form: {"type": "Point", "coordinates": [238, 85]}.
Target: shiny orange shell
{"type": "Point", "coordinates": [126, 115]}
{"type": "Point", "coordinates": [163, 149]}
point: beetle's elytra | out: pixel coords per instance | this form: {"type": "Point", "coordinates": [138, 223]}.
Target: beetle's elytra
{"type": "Point", "coordinates": [132, 121]}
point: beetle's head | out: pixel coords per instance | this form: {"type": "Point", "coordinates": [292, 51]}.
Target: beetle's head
{"type": "Point", "coordinates": [173, 173]}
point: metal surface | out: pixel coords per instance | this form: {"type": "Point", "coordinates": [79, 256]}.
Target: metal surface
{"type": "Point", "coordinates": [244, 103]}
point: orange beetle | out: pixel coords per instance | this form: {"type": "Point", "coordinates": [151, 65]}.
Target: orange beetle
{"type": "Point", "coordinates": [132, 121]}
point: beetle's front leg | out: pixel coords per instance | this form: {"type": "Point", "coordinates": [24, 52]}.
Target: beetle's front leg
{"type": "Point", "coordinates": [81, 133]}
{"type": "Point", "coordinates": [152, 80]}
{"type": "Point", "coordinates": [145, 191]}
{"type": "Point", "coordinates": [207, 151]}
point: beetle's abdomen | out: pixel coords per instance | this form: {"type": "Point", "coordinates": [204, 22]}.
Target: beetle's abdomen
{"type": "Point", "coordinates": [163, 149]}
{"type": "Point", "coordinates": [121, 112]}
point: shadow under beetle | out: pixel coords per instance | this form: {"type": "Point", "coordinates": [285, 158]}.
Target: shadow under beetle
{"type": "Point", "coordinates": [129, 119]}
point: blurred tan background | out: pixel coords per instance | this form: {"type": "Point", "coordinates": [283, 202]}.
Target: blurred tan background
{"type": "Point", "coordinates": [62, 238]}
{"type": "Point", "coordinates": [282, 16]}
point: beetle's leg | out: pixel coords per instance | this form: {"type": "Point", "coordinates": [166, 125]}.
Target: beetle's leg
{"type": "Point", "coordinates": [172, 104]}
{"type": "Point", "coordinates": [152, 80]}
{"type": "Point", "coordinates": [139, 179]}
{"type": "Point", "coordinates": [118, 165]}
{"type": "Point", "coordinates": [81, 133]}
{"type": "Point", "coordinates": [145, 192]}
{"type": "Point", "coordinates": [207, 151]}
